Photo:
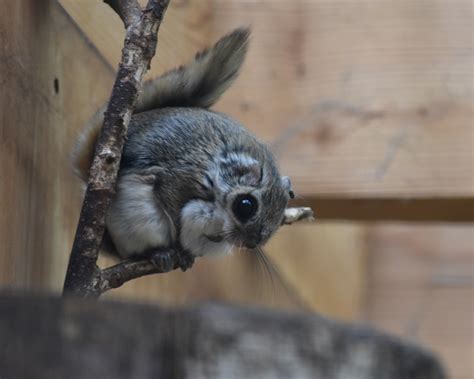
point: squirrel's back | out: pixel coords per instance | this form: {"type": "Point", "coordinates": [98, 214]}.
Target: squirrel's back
{"type": "Point", "coordinates": [196, 85]}
{"type": "Point", "coordinates": [180, 138]}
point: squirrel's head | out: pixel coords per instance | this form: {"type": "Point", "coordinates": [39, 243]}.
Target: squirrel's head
{"type": "Point", "coordinates": [251, 195]}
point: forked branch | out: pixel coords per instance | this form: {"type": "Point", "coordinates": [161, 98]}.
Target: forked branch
{"type": "Point", "coordinates": [139, 48]}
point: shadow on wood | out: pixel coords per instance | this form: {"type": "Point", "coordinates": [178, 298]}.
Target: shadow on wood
{"type": "Point", "coordinates": [46, 337]}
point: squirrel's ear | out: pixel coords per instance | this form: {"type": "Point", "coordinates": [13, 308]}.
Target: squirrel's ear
{"type": "Point", "coordinates": [201, 82]}
{"type": "Point", "coordinates": [286, 183]}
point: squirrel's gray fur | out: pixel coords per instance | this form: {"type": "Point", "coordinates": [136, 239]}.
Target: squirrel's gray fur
{"type": "Point", "coordinates": [183, 166]}
{"type": "Point", "coordinates": [201, 83]}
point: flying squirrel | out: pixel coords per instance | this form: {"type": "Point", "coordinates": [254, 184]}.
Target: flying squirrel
{"type": "Point", "coordinates": [190, 180]}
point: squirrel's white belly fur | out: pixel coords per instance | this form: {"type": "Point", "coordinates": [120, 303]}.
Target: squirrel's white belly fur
{"type": "Point", "coordinates": [136, 223]}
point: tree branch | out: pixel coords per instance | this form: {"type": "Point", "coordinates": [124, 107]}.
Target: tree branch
{"type": "Point", "coordinates": [293, 215]}
{"type": "Point", "coordinates": [116, 276]}
{"type": "Point", "coordinates": [139, 48]}
{"type": "Point", "coordinates": [128, 10]}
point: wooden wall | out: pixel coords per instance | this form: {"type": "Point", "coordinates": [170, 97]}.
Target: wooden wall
{"type": "Point", "coordinates": [368, 104]}
{"type": "Point", "coordinates": [51, 80]}
{"type": "Point", "coordinates": [421, 286]}
{"type": "Point", "coordinates": [366, 100]}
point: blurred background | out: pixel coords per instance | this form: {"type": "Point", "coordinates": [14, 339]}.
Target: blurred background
{"type": "Point", "coordinates": [368, 105]}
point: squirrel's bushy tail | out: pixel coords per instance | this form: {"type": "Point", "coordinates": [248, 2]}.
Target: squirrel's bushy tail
{"type": "Point", "coordinates": [201, 82]}
{"type": "Point", "coordinates": [197, 84]}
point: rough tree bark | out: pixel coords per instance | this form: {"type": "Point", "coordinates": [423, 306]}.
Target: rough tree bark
{"type": "Point", "coordinates": [52, 338]}
{"type": "Point", "coordinates": [84, 278]}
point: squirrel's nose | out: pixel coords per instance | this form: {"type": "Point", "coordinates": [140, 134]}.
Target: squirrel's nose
{"type": "Point", "coordinates": [250, 245]}
{"type": "Point", "coordinates": [253, 241]}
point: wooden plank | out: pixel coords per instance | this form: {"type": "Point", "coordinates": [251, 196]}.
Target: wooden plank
{"type": "Point", "coordinates": [183, 33]}
{"type": "Point", "coordinates": [52, 80]}
{"type": "Point", "coordinates": [366, 99]}
{"type": "Point", "coordinates": [421, 286]}
{"type": "Point", "coordinates": [310, 261]}
{"type": "Point", "coordinates": [360, 100]}
{"type": "Point", "coordinates": [233, 279]}
{"type": "Point", "coordinates": [395, 209]}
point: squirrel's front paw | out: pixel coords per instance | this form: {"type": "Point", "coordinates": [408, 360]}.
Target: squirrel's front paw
{"type": "Point", "coordinates": [167, 259]}
{"type": "Point", "coordinates": [162, 260]}
{"type": "Point", "coordinates": [185, 259]}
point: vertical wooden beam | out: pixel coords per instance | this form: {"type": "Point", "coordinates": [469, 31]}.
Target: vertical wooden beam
{"type": "Point", "coordinates": [52, 81]}
{"type": "Point", "coordinates": [421, 286]}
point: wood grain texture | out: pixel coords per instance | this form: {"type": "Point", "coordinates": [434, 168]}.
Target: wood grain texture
{"type": "Point", "coordinates": [325, 265]}
{"type": "Point", "coordinates": [50, 86]}
{"type": "Point", "coordinates": [459, 209]}
{"type": "Point", "coordinates": [362, 99]}
{"type": "Point", "coordinates": [365, 100]}
{"type": "Point", "coordinates": [421, 286]}
{"type": "Point", "coordinates": [235, 279]}
{"type": "Point", "coordinates": [183, 33]}
{"type": "Point", "coordinates": [310, 262]}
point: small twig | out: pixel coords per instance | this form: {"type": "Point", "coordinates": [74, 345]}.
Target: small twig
{"type": "Point", "coordinates": [116, 276]}
{"type": "Point", "coordinates": [139, 48]}
{"type": "Point", "coordinates": [293, 215]}
{"type": "Point", "coordinates": [129, 11]}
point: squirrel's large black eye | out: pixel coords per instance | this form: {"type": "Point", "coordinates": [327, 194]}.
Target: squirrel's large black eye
{"type": "Point", "coordinates": [244, 207]}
